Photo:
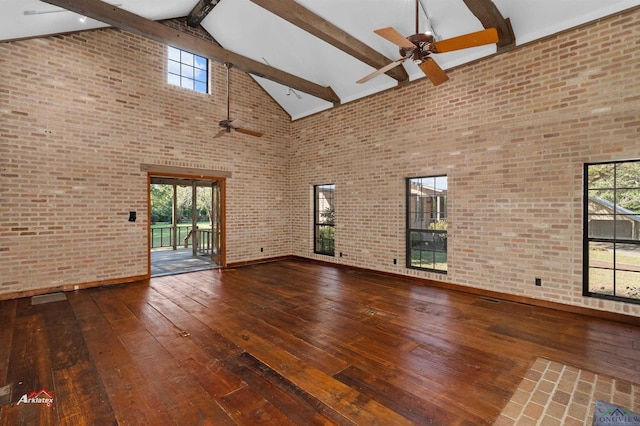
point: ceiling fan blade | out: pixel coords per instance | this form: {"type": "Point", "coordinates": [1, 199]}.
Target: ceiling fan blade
{"type": "Point", "coordinates": [480, 38]}
{"type": "Point", "coordinates": [248, 132]}
{"type": "Point", "coordinates": [382, 70]}
{"type": "Point", "coordinates": [394, 37]}
{"type": "Point", "coordinates": [237, 126]}
{"type": "Point", "coordinates": [433, 71]}
{"type": "Point", "coordinates": [236, 123]}
{"type": "Point", "coordinates": [220, 133]}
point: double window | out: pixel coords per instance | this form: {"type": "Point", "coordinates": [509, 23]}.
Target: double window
{"type": "Point", "coordinates": [611, 249]}
{"type": "Point", "coordinates": [427, 223]}
{"type": "Point", "coordinates": [187, 70]}
{"type": "Point", "coordinates": [324, 219]}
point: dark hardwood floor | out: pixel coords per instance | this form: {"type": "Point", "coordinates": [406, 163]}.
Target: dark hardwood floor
{"type": "Point", "coordinates": [288, 342]}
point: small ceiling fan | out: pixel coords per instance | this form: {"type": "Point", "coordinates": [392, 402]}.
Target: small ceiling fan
{"type": "Point", "coordinates": [228, 125]}
{"type": "Point", "coordinates": [420, 46]}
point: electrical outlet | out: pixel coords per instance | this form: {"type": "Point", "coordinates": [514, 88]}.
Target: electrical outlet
{"type": "Point", "coordinates": [261, 249]}
{"type": "Point", "coordinates": [395, 261]}
{"type": "Point", "coordinates": [340, 254]}
{"type": "Point", "coordinates": [538, 282]}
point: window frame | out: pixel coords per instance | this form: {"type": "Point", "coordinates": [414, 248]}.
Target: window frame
{"type": "Point", "coordinates": [183, 64]}
{"type": "Point", "coordinates": [614, 241]}
{"type": "Point", "coordinates": [318, 224]}
{"type": "Point", "coordinates": [438, 236]}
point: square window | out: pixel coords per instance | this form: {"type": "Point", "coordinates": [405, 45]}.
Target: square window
{"type": "Point", "coordinates": [187, 70]}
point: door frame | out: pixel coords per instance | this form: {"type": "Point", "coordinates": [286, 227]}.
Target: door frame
{"type": "Point", "coordinates": [222, 211]}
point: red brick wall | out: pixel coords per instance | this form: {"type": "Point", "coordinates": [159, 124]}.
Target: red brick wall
{"type": "Point", "coordinates": [79, 114]}
{"type": "Point", "coordinates": [511, 133]}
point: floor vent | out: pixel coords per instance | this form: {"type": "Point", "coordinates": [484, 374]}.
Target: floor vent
{"type": "Point", "coordinates": [488, 299]}
{"type": "Point", "coordinates": [48, 298]}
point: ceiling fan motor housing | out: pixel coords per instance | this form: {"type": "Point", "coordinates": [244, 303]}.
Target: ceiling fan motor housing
{"type": "Point", "coordinates": [422, 42]}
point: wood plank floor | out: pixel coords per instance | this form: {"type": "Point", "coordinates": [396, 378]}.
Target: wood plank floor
{"type": "Point", "coordinates": [288, 342]}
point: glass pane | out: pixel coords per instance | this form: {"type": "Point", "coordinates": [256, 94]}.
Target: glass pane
{"type": "Point", "coordinates": [628, 284]}
{"type": "Point", "coordinates": [201, 87]}
{"type": "Point", "coordinates": [325, 239]}
{"type": "Point", "coordinates": [427, 259]}
{"type": "Point", "coordinates": [187, 58]}
{"type": "Point", "coordinates": [200, 62]}
{"type": "Point", "coordinates": [441, 260]}
{"type": "Point", "coordinates": [187, 83]}
{"type": "Point", "coordinates": [421, 258]}
{"type": "Point", "coordinates": [186, 71]}
{"type": "Point", "coordinates": [629, 201]}
{"type": "Point", "coordinates": [441, 183]}
{"type": "Point", "coordinates": [174, 67]}
{"type": "Point", "coordinates": [601, 199]}
{"type": "Point", "coordinates": [628, 257]}
{"type": "Point", "coordinates": [601, 255]}
{"type": "Point", "coordinates": [174, 79]}
{"type": "Point", "coordinates": [173, 54]}
{"type": "Point", "coordinates": [416, 240]}
{"type": "Point", "coordinates": [428, 250]}
{"type": "Point", "coordinates": [601, 281]}
{"type": "Point", "coordinates": [324, 203]}
{"type": "Point", "coordinates": [628, 175]}
{"type": "Point", "coordinates": [626, 227]}
{"type": "Point", "coordinates": [600, 176]}
{"type": "Point", "coordinates": [414, 258]}
{"type": "Point", "coordinates": [601, 226]}
{"type": "Point", "coordinates": [200, 75]}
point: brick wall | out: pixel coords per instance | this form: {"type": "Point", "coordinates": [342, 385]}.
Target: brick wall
{"type": "Point", "coordinates": [511, 133]}
{"type": "Point", "coordinates": [79, 114]}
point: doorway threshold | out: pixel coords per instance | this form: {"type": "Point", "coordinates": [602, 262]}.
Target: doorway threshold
{"type": "Point", "coordinates": [180, 261]}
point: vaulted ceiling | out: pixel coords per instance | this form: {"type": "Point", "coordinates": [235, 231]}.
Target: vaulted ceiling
{"type": "Point", "coordinates": [309, 54]}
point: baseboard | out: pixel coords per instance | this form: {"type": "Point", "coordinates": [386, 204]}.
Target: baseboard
{"type": "Point", "coordinates": [71, 287]}
{"type": "Point", "coordinates": [581, 310]}
{"type": "Point", "coordinates": [258, 261]}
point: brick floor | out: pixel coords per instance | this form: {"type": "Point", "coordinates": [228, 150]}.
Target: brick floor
{"type": "Point", "coordinates": [556, 394]}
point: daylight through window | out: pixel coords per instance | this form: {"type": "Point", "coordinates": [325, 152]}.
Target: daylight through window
{"type": "Point", "coordinates": [612, 230]}
{"type": "Point", "coordinates": [187, 70]}
{"type": "Point", "coordinates": [427, 223]}
{"type": "Point", "coordinates": [324, 219]}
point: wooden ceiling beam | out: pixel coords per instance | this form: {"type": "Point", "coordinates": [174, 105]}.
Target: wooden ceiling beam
{"type": "Point", "coordinates": [147, 28]}
{"type": "Point", "coordinates": [490, 17]}
{"type": "Point", "coordinates": [200, 11]}
{"type": "Point", "coordinates": [303, 18]}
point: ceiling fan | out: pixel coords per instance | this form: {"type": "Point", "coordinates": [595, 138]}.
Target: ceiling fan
{"type": "Point", "coordinates": [228, 125]}
{"type": "Point", "coordinates": [420, 46]}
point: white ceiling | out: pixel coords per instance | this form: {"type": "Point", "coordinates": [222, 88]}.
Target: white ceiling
{"type": "Point", "coordinates": [244, 28]}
